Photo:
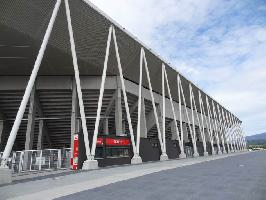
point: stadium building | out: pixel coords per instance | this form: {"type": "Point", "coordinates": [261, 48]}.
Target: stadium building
{"type": "Point", "coordinates": [78, 91]}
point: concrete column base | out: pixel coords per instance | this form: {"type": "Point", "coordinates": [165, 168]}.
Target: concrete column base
{"type": "Point", "coordinates": [136, 160]}
{"type": "Point", "coordinates": [205, 153]}
{"type": "Point", "coordinates": [219, 153]}
{"type": "Point", "coordinates": [163, 157]}
{"type": "Point", "coordinates": [196, 154]}
{"type": "Point", "coordinates": [5, 176]}
{"type": "Point", "coordinates": [182, 155]}
{"type": "Point", "coordinates": [90, 164]}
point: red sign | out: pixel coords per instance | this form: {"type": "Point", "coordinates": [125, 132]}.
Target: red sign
{"type": "Point", "coordinates": [117, 142]}
{"type": "Point", "coordinates": [99, 142]}
{"type": "Point", "coordinates": [74, 160]}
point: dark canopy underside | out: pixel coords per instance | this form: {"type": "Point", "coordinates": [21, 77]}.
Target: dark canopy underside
{"type": "Point", "coordinates": [22, 27]}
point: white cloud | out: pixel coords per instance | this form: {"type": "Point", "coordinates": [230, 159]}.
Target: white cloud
{"type": "Point", "coordinates": [143, 17]}
{"type": "Point", "coordinates": [217, 44]}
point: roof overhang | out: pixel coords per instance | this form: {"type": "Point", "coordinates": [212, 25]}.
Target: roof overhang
{"type": "Point", "coordinates": [22, 27]}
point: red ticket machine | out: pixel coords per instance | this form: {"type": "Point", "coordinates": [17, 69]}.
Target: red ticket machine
{"type": "Point", "coordinates": [74, 160]}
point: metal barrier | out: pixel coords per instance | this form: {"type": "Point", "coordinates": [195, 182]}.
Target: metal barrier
{"type": "Point", "coordinates": [188, 151]}
{"type": "Point", "coordinates": [37, 160]}
{"type": "Point", "coordinates": [215, 150]}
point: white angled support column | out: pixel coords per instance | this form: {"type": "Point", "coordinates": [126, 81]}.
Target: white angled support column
{"type": "Point", "coordinates": [163, 156]}
{"type": "Point", "coordinates": [95, 135]}
{"type": "Point", "coordinates": [5, 174]}
{"type": "Point", "coordinates": [221, 128]}
{"type": "Point", "coordinates": [196, 154]}
{"type": "Point", "coordinates": [216, 128]}
{"type": "Point", "coordinates": [225, 130]}
{"type": "Point", "coordinates": [236, 133]}
{"type": "Point", "coordinates": [202, 123]}
{"type": "Point", "coordinates": [181, 145]}
{"type": "Point", "coordinates": [210, 126]}
{"type": "Point", "coordinates": [231, 134]}
{"type": "Point", "coordinates": [180, 118]}
{"type": "Point", "coordinates": [194, 140]}
{"type": "Point", "coordinates": [99, 107]}
{"type": "Point", "coordinates": [141, 112]}
{"type": "Point", "coordinates": [93, 164]}
{"type": "Point", "coordinates": [228, 132]}
{"type": "Point", "coordinates": [136, 156]}
{"type": "Point", "coordinates": [138, 159]}
{"type": "Point", "coordinates": [205, 153]}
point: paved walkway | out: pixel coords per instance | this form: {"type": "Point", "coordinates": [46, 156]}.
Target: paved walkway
{"type": "Point", "coordinates": [204, 179]}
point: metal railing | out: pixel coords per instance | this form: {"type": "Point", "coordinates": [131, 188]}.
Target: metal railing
{"type": "Point", "coordinates": [38, 160]}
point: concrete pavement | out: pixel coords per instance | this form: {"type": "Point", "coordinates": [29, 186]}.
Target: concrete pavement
{"type": "Point", "coordinates": [166, 180]}
{"type": "Point", "coordinates": [241, 177]}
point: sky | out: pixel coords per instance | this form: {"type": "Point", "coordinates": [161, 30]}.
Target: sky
{"type": "Point", "coordinates": [219, 45]}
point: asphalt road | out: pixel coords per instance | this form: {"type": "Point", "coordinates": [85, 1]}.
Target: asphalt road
{"type": "Point", "coordinates": [241, 177]}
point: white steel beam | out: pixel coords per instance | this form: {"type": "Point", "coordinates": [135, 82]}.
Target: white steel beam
{"type": "Point", "coordinates": [205, 153]}
{"type": "Point", "coordinates": [181, 145]}
{"type": "Point", "coordinates": [21, 110]}
{"type": "Point", "coordinates": [231, 134]}
{"type": "Point", "coordinates": [180, 116]}
{"type": "Point", "coordinates": [196, 154]}
{"type": "Point", "coordinates": [164, 155]}
{"type": "Point", "coordinates": [225, 128]}
{"type": "Point", "coordinates": [124, 95]}
{"type": "Point", "coordinates": [99, 107]}
{"type": "Point", "coordinates": [236, 134]}
{"type": "Point", "coordinates": [139, 100]}
{"type": "Point", "coordinates": [209, 124]}
{"type": "Point", "coordinates": [221, 129]}
{"type": "Point", "coordinates": [163, 113]}
{"type": "Point", "coordinates": [216, 128]}
{"type": "Point", "coordinates": [77, 78]}
{"type": "Point", "coordinates": [206, 122]}
{"type": "Point", "coordinates": [228, 131]}
{"type": "Point", "coordinates": [211, 120]}
{"type": "Point", "coordinates": [95, 134]}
